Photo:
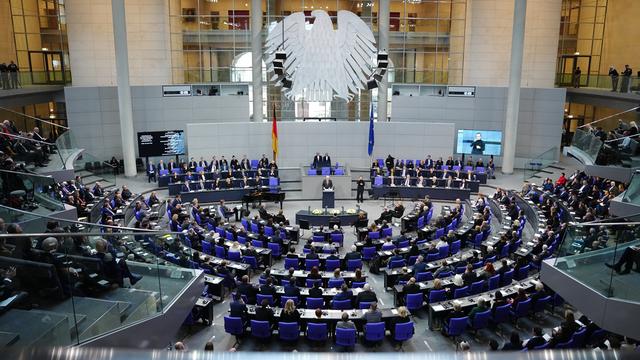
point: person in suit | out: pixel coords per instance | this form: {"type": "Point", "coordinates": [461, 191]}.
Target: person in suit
{"type": "Point", "coordinates": [537, 339]}
{"type": "Point", "coordinates": [193, 164]}
{"type": "Point", "coordinates": [246, 289]}
{"type": "Point", "coordinates": [327, 184]}
{"type": "Point", "coordinates": [238, 308]}
{"type": "Point", "coordinates": [244, 163]}
{"type": "Point", "coordinates": [326, 160]}
{"type": "Point", "coordinates": [353, 254]}
{"type": "Point", "coordinates": [389, 162]}
{"type": "Point", "coordinates": [345, 323]}
{"type": "Point", "coordinates": [366, 295]}
{"type": "Point", "coordinates": [419, 266]}
{"type": "Point", "coordinates": [316, 291]}
{"type": "Point", "coordinates": [469, 275]}
{"type": "Point", "coordinates": [151, 172]}
{"type": "Point", "coordinates": [268, 288]}
{"type": "Point", "coordinates": [234, 164]}
{"type": "Point", "coordinates": [514, 344]}
{"type": "Point", "coordinates": [456, 313]}
{"type": "Point", "coordinates": [411, 287]}
{"type": "Point", "coordinates": [373, 315]}
{"type": "Point", "coordinates": [480, 307]}
{"type": "Point", "coordinates": [317, 161]}
{"type": "Point", "coordinates": [264, 162]}
{"type": "Point", "coordinates": [264, 312]}
{"type": "Point", "coordinates": [344, 294]}
{"type": "Point", "coordinates": [360, 190]}
{"type": "Point", "coordinates": [291, 289]}
{"type": "Point", "coordinates": [407, 181]}
{"type": "Point", "coordinates": [477, 146]}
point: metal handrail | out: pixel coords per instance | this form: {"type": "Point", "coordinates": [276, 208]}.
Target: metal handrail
{"type": "Point", "coordinates": [609, 117]}
{"type": "Point", "coordinates": [34, 118]}
{"type": "Point", "coordinates": [84, 223]}
{"type": "Point", "coordinates": [622, 138]}
{"type": "Point", "coordinates": [26, 138]}
{"type": "Point", "coordinates": [48, 177]}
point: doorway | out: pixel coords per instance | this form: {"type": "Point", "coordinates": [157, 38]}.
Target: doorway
{"type": "Point", "coordinates": [567, 65]}
{"type": "Point", "coordinates": [47, 67]}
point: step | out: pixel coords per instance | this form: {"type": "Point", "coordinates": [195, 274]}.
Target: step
{"type": "Point", "coordinates": [37, 327]}
{"type": "Point", "coordinates": [135, 304]}
{"type": "Point", "coordinates": [101, 315]}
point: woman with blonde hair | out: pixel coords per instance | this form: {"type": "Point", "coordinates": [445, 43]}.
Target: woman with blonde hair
{"type": "Point", "coordinates": [290, 313]}
{"type": "Point", "coordinates": [235, 247]}
{"type": "Point", "coordinates": [402, 318]}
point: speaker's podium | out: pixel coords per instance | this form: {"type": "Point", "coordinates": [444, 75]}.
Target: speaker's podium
{"type": "Point", "coordinates": [328, 198]}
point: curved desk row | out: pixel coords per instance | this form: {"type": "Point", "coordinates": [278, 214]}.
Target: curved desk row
{"type": "Point", "coordinates": [324, 219]}
{"type": "Point", "coordinates": [177, 188]}
{"type": "Point", "coordinates": [236, 194]}
{"type": "Point", "coordinates": [409, 192]}
{"type": "Point", "coordinates": [164, 180]}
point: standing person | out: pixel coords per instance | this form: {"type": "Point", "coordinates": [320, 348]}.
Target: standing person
{"type": "Point", "coordinates": [360, 190]}
{"type": "Point", "coordinates": [626, 79]}
{"type": "Point", "coordinates": [613, 73]}
{"type": "Point", "coordinates": [4, 76]}
{"type": "Point", "coordinates": [576, 77]}
{"type": "Point", "coordinates": [13, 75]}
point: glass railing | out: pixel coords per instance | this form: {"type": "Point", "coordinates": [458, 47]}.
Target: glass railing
{"type": "Point", "coordinates": [88, 166]}
{"type": "Point", "coordinates": [597, 81]}
{"type": "Point", "coordinates": [537, 163]}
{"type": "Point", "coordinates": [85, 284]}
{"type": "Point", "coordinates": [29, 192]}
{"type": "Point", "coordinates": [47, 130]}
{"type": "Point", "coordinates": [586, 141]}
{"type": "Point", "coordinates": [601, 256]}
{"type": "Point", "coordinates": [632, 194]}
{"type": "Point", "coordinates": [28, 78]}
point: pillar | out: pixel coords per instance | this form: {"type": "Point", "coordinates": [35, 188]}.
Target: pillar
{"type": "Point", "coordinates": [256, 58]}
{"type": "Point", "coordinates": [513, 94]}
{"type": "Point", "coordinates": [124, 88]}
{"type": "Point", "coordinates": [383, 45]}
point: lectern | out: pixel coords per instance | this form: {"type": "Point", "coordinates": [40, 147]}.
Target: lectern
{"type": "Point", "coordinates": [328, 198]}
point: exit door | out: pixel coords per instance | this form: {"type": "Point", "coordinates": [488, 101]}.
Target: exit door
{"type": "Point", "coordinates": [567, 65]}
{"type": "Point", "coordinates": [47, 67]}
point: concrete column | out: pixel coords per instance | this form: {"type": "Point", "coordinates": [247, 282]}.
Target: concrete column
{"type": "Point", "coordinates": [383, 45]}
{"type": "Point", "coordinates": [256, 58]}
{"type": "Point", "coordinates": [124, 89]}
{"type": "Point", "coordinates": [513, 95]}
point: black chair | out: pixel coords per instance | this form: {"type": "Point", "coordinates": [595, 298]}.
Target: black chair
{"type": "Point", "coordinates": [88, 166]}
{"type": "Point", "coordinates": [97, 165]}
{"type": "Point", "coordinates": [139, 164]}
{"type": "Point", "coordinates": [121, 165]}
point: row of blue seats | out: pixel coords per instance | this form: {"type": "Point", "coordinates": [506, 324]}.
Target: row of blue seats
{"type": "Point", "coordinates": [318, 332]}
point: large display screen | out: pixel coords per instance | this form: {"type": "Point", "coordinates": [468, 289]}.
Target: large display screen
{"type": "Point", "coordinates": [161, 143]}
{"type": "Point", "coordinates": [479, 142]}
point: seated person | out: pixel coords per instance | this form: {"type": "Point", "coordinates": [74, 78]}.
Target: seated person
{"type": "Point", "coordinates": [291, 289]}
{"type": "Point", "coordinates": [224, 211]}
{"type": "Point", "coordinates": [345, 323]}
{"type": "Point", "coordinates": [238, 308]}
{"type": "Point", "coordinates": [482, 306]}
{"type": "Point", "coordinates": [537, 339]}
{"type": "Point", "coordinates": [289, 314]}
{"type": "Point", "coordinates": [316, 291]}
{"type": "Point", "coordinates": [457, 311]}
{"type": "Point", "coordinates": [403, 317]}
{"type": "Point", "coordinates": [264, 312]}
{"type": "Point", "coordinates": [514, 344]}
{"type": "Point", "coordinates": [354, 254]}
{"type": "Point", "coordinates": [247, 289]}
{"type": "Point", "coordinates": [115, 270]}
{"type": "Point", "coordinates": [373, 315]}
{"type": "Point", "coordinates": [411, 287]}
{"type": "Point", "coordinates": [344, 294]}
{"type": "Point", "coordinates": [366, 295]}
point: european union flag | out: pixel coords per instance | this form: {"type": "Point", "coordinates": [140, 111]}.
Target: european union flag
{"type": "Point", "coordinates": [371, 135]}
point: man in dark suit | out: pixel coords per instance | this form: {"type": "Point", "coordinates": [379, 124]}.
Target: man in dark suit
{"type": "Point", "coordinates": [411, 287]}
{"type": "Point", "coordinates": [151, 172]}
{"type": "Point", "coordinates": [420, 265]}
{"type": "Point", "coordinates": [354, 254]}
{"type": "Point", "coordinates": [317, 161]}
{"type": "Point", "coordinates": [238, 308]}
{"type": "Point", "coordinates": [537, 339]}
{"type": "Point", "coordinates": [315, 291]}
{"type": "Point", "coordinates": [291, 289]}
{"type": "Point", "coordinates": [234, 163]}
{"type": "Point", "coordinates": [193, 164]}
{"type": "Point", "coordinates": [268, 288]}
{"type": "Point", "coordinates": [389, 162]}
{"type": "Point", "coordinates": [172, 165]}
{"type": "Point", "coordinates": [312, 255]}
{"type": "Point", "coordinates": [246, 289]}
{"type": "Point", "coordinates": [327, 183]}
{"type": "Point", "coordinates": [344, 294]}
{"type": "Point", "coordinates": [366, 295]}
{"type": "Point", "coordinates": [326, 160]}
{"type": "Point", "coordinates": [264, 312]}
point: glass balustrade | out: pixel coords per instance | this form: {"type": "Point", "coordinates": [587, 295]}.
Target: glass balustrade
{"type": "Point", "coordinates": [632, 194]}
{"type": "Point", "coordinates": [586, 141]}
{"type": "Point", "coordinates": [603, 256]}
{"type": "Point", "coordinates": [537, 163]}
{"type": "Point", "coordinates": [75, 286]}
{"type": "Point", "coordinates": [29, 192]}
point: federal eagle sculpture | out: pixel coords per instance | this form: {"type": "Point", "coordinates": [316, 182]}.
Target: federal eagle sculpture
{"type": "Point", "coordinates": [323, 63]}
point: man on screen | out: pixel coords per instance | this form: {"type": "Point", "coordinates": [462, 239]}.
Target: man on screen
{"type": "Point", "coordinates": [477, 146]}
{"type": "Point", "coordinates": [327, 184]}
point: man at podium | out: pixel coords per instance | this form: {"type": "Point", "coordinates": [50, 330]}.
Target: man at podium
{"type": "Point", "coordinates": [328, 196]}
{"type": "Point", "coordinates": [327, 184]}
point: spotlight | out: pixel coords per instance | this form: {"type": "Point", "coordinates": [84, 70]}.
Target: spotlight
{"type": "Point", "coordinates": [278, 66]}
{"type": "Point", "coordinates": [286, 83]}
{"type": "Point", "coordinates": [383, 56]}
{"type": "Point", "coordinates": [377, 77]}
{"type": "Point", "coordinates": [383, 64]}
{"type": "Point", "coordinates": [372, 84]}
{"type": "Point", "coordinates": [281, 55]}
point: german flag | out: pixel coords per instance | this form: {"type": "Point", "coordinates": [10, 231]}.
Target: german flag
{"type": "Point", "coordinates": [274, 135]}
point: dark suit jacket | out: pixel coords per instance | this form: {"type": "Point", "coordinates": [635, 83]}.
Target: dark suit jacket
{"type": "Point", "coordinates": [315, 293]}
{"type": "Point", "coordinates": [366, 296]}
{"type": "Point", "coordinates": [238, 309]}
{"type": "Point", "coordinates": [264, 314]}
{"type": "Point", "coordinates": [535, 341]}
{"type": "Point", "coordinates": [411, 289]}
{"type": "Point", "coordinates": [327, 184]}
{"type": "Point", "coordinates": [268, 290]}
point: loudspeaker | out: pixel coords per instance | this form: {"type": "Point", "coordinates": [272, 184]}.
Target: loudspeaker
{"type": "Point", "coordinates": [278, 66]}
{"type": "Point", "coordinates": [383, 56]}
{"type": "Point", "coordinates": [286, 83]}
{"type": "Point", "coordinates": [372, 84]}
{"type": "Point", "coordinates": [281, 55]}
{"type": "Point", "coordinates": [383, 64]}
